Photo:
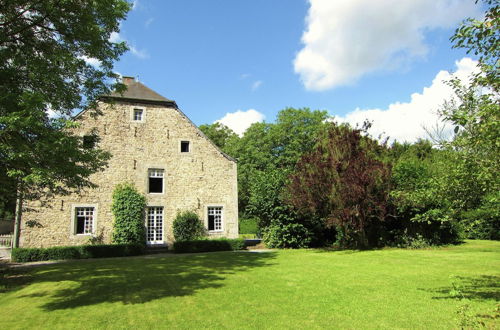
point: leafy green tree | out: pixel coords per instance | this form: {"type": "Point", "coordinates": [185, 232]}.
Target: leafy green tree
{"type": "Point", "coordinates": [275, 146]}
{"type": "Point", "coordinates": [44, 46]}
{"type": "Point", "coordinates": [223, 137]}
{"type": "Point", "coordinates": [473, 182]}
{"type": "Point", "coordinates": [128, 207]}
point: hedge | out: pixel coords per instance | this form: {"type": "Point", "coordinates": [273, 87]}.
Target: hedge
{"type": "Point", "coordinates": [76, 252]}
{"type": "Point", "coordinates": [209, 245]}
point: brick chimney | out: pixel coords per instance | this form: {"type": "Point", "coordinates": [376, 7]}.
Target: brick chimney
{"type": "Point", "coordinates": [127, 80]}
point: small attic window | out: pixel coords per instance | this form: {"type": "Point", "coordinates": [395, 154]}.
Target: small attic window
{"type": "Point", "coordinates": [184, 146]}
{"type": "Point", "coordinates": [138, 114]}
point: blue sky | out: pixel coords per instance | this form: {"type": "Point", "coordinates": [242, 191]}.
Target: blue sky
{"type": "Point", "coordinates": [215, 58]}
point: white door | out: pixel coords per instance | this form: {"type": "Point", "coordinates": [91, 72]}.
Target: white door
{"type": "Point", "coordinates": [154, 225]}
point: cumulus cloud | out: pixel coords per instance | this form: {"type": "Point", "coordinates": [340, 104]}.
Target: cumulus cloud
{"type": "Point", "coordinates": [240, 120]}
{"type": "Point", "coordinates": [406, 121]}
{"type": "Point", "coordinates": [346, 39]}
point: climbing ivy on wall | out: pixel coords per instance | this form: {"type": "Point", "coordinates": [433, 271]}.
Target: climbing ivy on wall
{"type": "Point", "coordinates": [129, 210]}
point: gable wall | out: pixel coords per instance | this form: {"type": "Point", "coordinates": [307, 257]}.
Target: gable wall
{"type": "Point", "coordinates": [192, 181]}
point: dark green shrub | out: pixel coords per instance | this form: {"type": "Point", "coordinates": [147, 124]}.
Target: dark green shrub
{"type": "Point", "coordinates": [293, 236]}
{"type": "Point", "coordinates": [76, 252]}
{"type": "Point", "coordinates": [187, 227]}
{"type": "Point", "coordinates": [249, 226]}
{"type": "Point", "coordinates": [195, 246]}
{"type": "Point", "coordinates": [482, 223]}
{"type": "Point", "coordinates": [110, 251]}
{"type": "Point", "coordinates": [129, 209]}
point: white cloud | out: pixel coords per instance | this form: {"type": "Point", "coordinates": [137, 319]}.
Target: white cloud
{"type": "Point", "coordinates": [406, 121]}
{"type": "Point", "coordinates": [92, 61]}
{"type": "Point", "coordinates": [346, 39]}
{"type": "Point", "coordinates": [142, 54]}
{"type": "Point", "coordinates": [256, 85]}
{"type": "Point", "coordinates": [240, 120]}
{"type": "Point", "coordinates": [116, 37]}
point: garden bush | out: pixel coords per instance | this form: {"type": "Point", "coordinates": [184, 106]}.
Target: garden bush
{"type": "Point", "coordinates": [209, 245]}
{"type": "Point", "coordinates": [129, 210]}
{"type": "Point", "coordinates": [187, 227]}
{"type": "Point", "coordinates": [292, 236]}
{"type": "Point", "coordinates": [76, 252]}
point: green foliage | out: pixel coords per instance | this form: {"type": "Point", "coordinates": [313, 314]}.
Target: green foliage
{"type": "Point", "coordinates": [275, 146]}
{"type": "Point", "coordinates": [187, 226]}
{"type": "Point", "coordinates": [288, 236]}
{"type": "Point", "coordinates": [43, 47]}
{"type": "Point", "coordinates": [481, 38]}
{"type": "Point", "coordinates": [420, 209]}
{"type": "Point", "coordinates": [483, 222]}
{"type": "Point", "coordinates": [129, 210]}
{"type": "Point", "coordinates": [76, 252]}
{"type": "Point", "coordinates": [248, 226]}
{"type": "Point", "coordinates": [223, 137]}
{"type": "Point", "coordinates": [209, 245]}
{"type": "Point", "coordinates": [266, 200]}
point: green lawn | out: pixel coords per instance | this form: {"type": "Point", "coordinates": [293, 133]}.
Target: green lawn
{"type": "Point", "coordinates": [390, 288]}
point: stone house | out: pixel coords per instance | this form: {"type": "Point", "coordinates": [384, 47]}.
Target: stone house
{"type": "Point", "coordinates": [157, 148]}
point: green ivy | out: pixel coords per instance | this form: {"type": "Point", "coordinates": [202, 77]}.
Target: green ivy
{"type": "Point", "coordinates": [129, 211]}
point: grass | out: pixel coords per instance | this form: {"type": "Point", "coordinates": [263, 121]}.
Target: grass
{"type": "Point", "coordinates": [389, 288]}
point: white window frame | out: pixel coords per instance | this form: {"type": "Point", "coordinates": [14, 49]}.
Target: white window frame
{"type": "Point", "coordinates": [74, 221]}
{"type": "Point", "coordinates": [207, 210]}
{"type": "Point", "coordinates": [190, 146]}
{"type": "Point", "coordinates": [132, 114]}
{"type": "Point", "coordinates": [163, 222]}
{"type": "Point", "coordinates": [155, 171]}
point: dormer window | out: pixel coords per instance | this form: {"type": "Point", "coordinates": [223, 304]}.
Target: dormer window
{"type": "Point", "coordinates": [138, 114]}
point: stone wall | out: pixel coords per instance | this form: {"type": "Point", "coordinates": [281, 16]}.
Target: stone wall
{"type": "Point", "coordinates": [203, 177]}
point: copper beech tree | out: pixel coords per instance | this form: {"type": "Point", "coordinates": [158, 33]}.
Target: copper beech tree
{"type": "Point", "coordinates": [344, 183]}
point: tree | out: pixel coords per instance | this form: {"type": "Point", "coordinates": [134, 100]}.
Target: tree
{"type": "Point", "coordinates": [343, 183]}
{"type": "Point", "coordinates": [473, 183]}
{"type": "Point", "coordinates": [45, 47]}
{"type": "Point", "coordinates": [275, 146]}
{"type": "Point", "coordinates": [223, 137]}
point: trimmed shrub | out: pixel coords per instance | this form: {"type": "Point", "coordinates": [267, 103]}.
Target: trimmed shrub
{"type": "Point", "coordinates": [207, 245]}
{"type": "Point", "coordinates": [128, 208]}
{"type": "Point", "coordinates": [292, 236]}
{"type": "Point", "coordinates": [188, 227]}
{"type": "Point", "coordinates": [76, 252]}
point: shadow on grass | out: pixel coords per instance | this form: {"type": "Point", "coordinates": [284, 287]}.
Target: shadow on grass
{"type": "Point", "coordinates": [484, 287]}
{"type": "Point", "coordinates": [140, 280]}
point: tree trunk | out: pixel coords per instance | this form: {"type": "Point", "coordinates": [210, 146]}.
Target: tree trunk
{"type": "Point", "coordinates": [19, 211]}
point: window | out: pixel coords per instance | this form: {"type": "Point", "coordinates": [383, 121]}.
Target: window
{"type": "Point", "coordinates": [155, 225]}
{"type": "Point", "coordinates": [84, 220]}
{"type": "Point", "coordinates": [184, 146]}
{"type": "Point", "coordinates": [138, 114]}
{"type": "Point", "coordinates": [215, 218]}
{"type": "Point", "coordinates": [155, 181]}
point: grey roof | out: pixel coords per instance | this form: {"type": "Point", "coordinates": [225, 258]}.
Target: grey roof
{"type": "Point", "coordinates": [136, 91]}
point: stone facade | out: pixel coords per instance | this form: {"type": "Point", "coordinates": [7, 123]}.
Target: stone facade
{"type": "Point", "coordinates": [196, 180]}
